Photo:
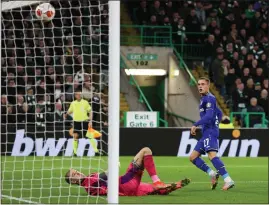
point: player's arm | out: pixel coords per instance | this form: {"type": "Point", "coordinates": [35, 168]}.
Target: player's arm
{"type": "Point", "coordinates": [219, 113]}
{"type": "Point", "coordinates": [211, 103]}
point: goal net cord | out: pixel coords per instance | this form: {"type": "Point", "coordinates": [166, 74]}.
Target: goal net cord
{"type": "Point", "coordinates": [42, 65]}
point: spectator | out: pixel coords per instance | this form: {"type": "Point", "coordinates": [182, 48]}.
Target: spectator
{"type": "Point", "coordinates": [58, 89]}
{"type": "Point", "coordinates": [250, 88]}
{"type": "Point", "coordinates": [263, 101]}
{"type": "Point", "coordinates": [87, 90]}
{"type": "Point", "coordinates": [169, 9]}
{"type": "Point", "coordinates": [180, 30]}
{"type": "Point", "coordinates": [184, 10]}
{"type": "Point", "coordinates": [193, 25]}
{"type": "Point", "coordinates": [265, 84]}
{"type": "Point", "coordinates": [250, 12]}
{"type": "Point", "coordinates": [142, 13]}
{"type": "Point", "coordinates": [21, 108]}
{"type": "Point", "coordinates": [200, 13]}
{"type": "Point", "coordinates": [258, 77]}
{"type": "Point", "coordinates": [4, 104]}
{"type": "Point", "coordinates": [246, 75]}
{"type": "Point", "coordinates": [59, 114]}
{"type": "Point", "coordinates": [210, 49]}
{"type": "Point", "coordinates": [254, 107]}
{"type": "Point", "coordinates": [213, 17]}
{"type": "Point", "coordinates": [227, 22]}
{"type": "Point", "coordinates": [96, 107]}
{"type": "Point", "coordinates": [240, 98]}
{"type": "Point", "coordinates": [155, 9]}
{"type": "Point", "coordinates": [218, 72]}
{"type": "Point", "coordinates": [257, 89]}
{"type": "Point", "coordinates": [229, 80]}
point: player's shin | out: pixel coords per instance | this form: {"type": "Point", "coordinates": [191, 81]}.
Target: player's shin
{"type": "Point", "coordinates": [218, 164]}
{"type": "Point", "coordinates": [200, 163]}
{"type": "Point", "coordinates": [150, 167]}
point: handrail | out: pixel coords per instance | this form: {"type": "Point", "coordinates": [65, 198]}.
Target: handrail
{"type": "Point", "coordinates": [182, 63]}
{"type": "Point", "coordinates": [180, 117]}
{"type": "Point", "coordinates": [141, 93]}
{"type": "Point", "coordinates": [247, 117]}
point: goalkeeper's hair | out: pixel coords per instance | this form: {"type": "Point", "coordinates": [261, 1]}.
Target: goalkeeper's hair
{"type": "Point", "coordinates": [67, 177]}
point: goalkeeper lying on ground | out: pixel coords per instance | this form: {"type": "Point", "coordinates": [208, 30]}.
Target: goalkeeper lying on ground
{"type": "Point", "coordinates": [130, 183]}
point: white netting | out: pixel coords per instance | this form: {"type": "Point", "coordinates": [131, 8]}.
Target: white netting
{"type": "Point", "coordinates": [42, 63]}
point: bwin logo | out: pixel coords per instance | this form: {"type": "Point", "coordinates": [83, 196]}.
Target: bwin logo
{"type": "Point", "coordinates": [245, 144]}
{"type": "Point", "coordinates": [41, 146]}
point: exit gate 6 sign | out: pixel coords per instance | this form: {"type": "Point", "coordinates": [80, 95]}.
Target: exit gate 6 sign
{"type": "Point", "coordinates": [141, 119]}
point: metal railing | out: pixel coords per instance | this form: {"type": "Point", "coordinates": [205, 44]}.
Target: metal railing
{"type": "Point", "coordinates": [246, 116]}
{"type": "Point", "coordinates": [163, 36]}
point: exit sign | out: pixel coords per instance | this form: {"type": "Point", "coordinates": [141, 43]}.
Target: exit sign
{"type": "Point", "coordinates": [141, 56]}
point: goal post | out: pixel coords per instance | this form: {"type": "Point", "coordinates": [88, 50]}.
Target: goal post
{"type": "Point", "coordinates": [114, 101]}
{"type": "Point", "coordinates": [43, 63]}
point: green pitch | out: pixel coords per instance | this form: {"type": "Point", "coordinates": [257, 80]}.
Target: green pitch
{"type": "Point", "coordinates": [39, 179]}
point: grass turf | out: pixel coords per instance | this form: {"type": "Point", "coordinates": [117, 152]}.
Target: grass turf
{"type": "Point", "coordinates": [40, 179]}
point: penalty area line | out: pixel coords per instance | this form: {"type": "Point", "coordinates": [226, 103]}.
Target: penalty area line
{"type": "Point", "coordinates": [18, 199]}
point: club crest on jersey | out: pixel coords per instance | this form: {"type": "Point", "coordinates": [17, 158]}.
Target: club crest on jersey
{"type": "Point", "coordinates": [208, 105]}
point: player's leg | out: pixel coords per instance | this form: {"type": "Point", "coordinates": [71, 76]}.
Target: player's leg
{"type": "Point", "coordinates": [220, 167]}
{"type": "Point", "coordinates": [77, 130]}
{"type": "Point", "coordinates": [144, 159]}
{"type": "Point", "coordinates": [195, 158]}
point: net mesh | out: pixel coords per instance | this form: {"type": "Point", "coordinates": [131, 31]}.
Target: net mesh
{"type": "Point", "coordinates": [42, 64]}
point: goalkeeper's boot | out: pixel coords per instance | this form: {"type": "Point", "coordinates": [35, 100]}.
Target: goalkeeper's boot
{"type": "Point", "coordinates": [181, 183]}
{"type": "Point", "coordinates": [160, 185]}
{"type": "Point", "coordinates": [214, 181]}
{"type": "Point", "coordinates": [174, 186]}
{"type": "Point", "coordinates": [228, 185]}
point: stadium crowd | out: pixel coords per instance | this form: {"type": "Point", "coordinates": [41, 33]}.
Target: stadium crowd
{"type": "Point", "coordinates": [235, 38]}
{"type": "Point", "coordinates": [43, 63]}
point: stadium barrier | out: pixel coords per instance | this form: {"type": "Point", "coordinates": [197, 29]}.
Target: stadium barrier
{"type": "Point", "coordinates": [22, 140]}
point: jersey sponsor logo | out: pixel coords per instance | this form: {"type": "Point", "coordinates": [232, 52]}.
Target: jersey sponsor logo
{"type": "Point", "coordinates": [26, 146]}
{"type": "Point", "coordinates": [208, 105]}
{"type": "Point", "coordinates": [234, 148]}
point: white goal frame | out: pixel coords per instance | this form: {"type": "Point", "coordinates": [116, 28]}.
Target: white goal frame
{"type": "Point", "coordinates": [114, 102]}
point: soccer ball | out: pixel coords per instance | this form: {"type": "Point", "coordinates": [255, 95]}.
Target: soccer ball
{"type": "Point", "coordinates": [45, 12]}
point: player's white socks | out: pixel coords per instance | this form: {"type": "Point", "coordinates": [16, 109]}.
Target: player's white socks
{"type": "Point", "coordinates": [211, 173]}
{"type": "Point", "coordinates": [228, 179]}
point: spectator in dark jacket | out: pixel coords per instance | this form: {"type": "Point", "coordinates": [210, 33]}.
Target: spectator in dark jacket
{"type": "Point", "coordinates": [142, 13]}
{"type": "Point", "coordinates": [210, 50]}
{"type": "Point", "coordinates": [263, 101]}
{"type": "Point", "coordinates": [254, 107]}
{"type": "Point", "coordinates": [240, 98]}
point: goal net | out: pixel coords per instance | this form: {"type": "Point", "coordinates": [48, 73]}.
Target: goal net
{"type": "Point", "coordinates": [42, 64]}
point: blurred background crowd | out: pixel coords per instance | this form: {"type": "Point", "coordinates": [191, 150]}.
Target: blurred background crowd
{"type": "Point", "coordinates": [235, 39]}
{"type": "Point", "coordinates": [43, 63]}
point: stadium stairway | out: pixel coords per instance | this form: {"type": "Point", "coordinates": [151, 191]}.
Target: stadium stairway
{"type": "Point", "coordinates": [128, 32]}
{"type": "Point", "coordinates": [199, 72]}
{"type": "Point", "coordinates": [124, 107]}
